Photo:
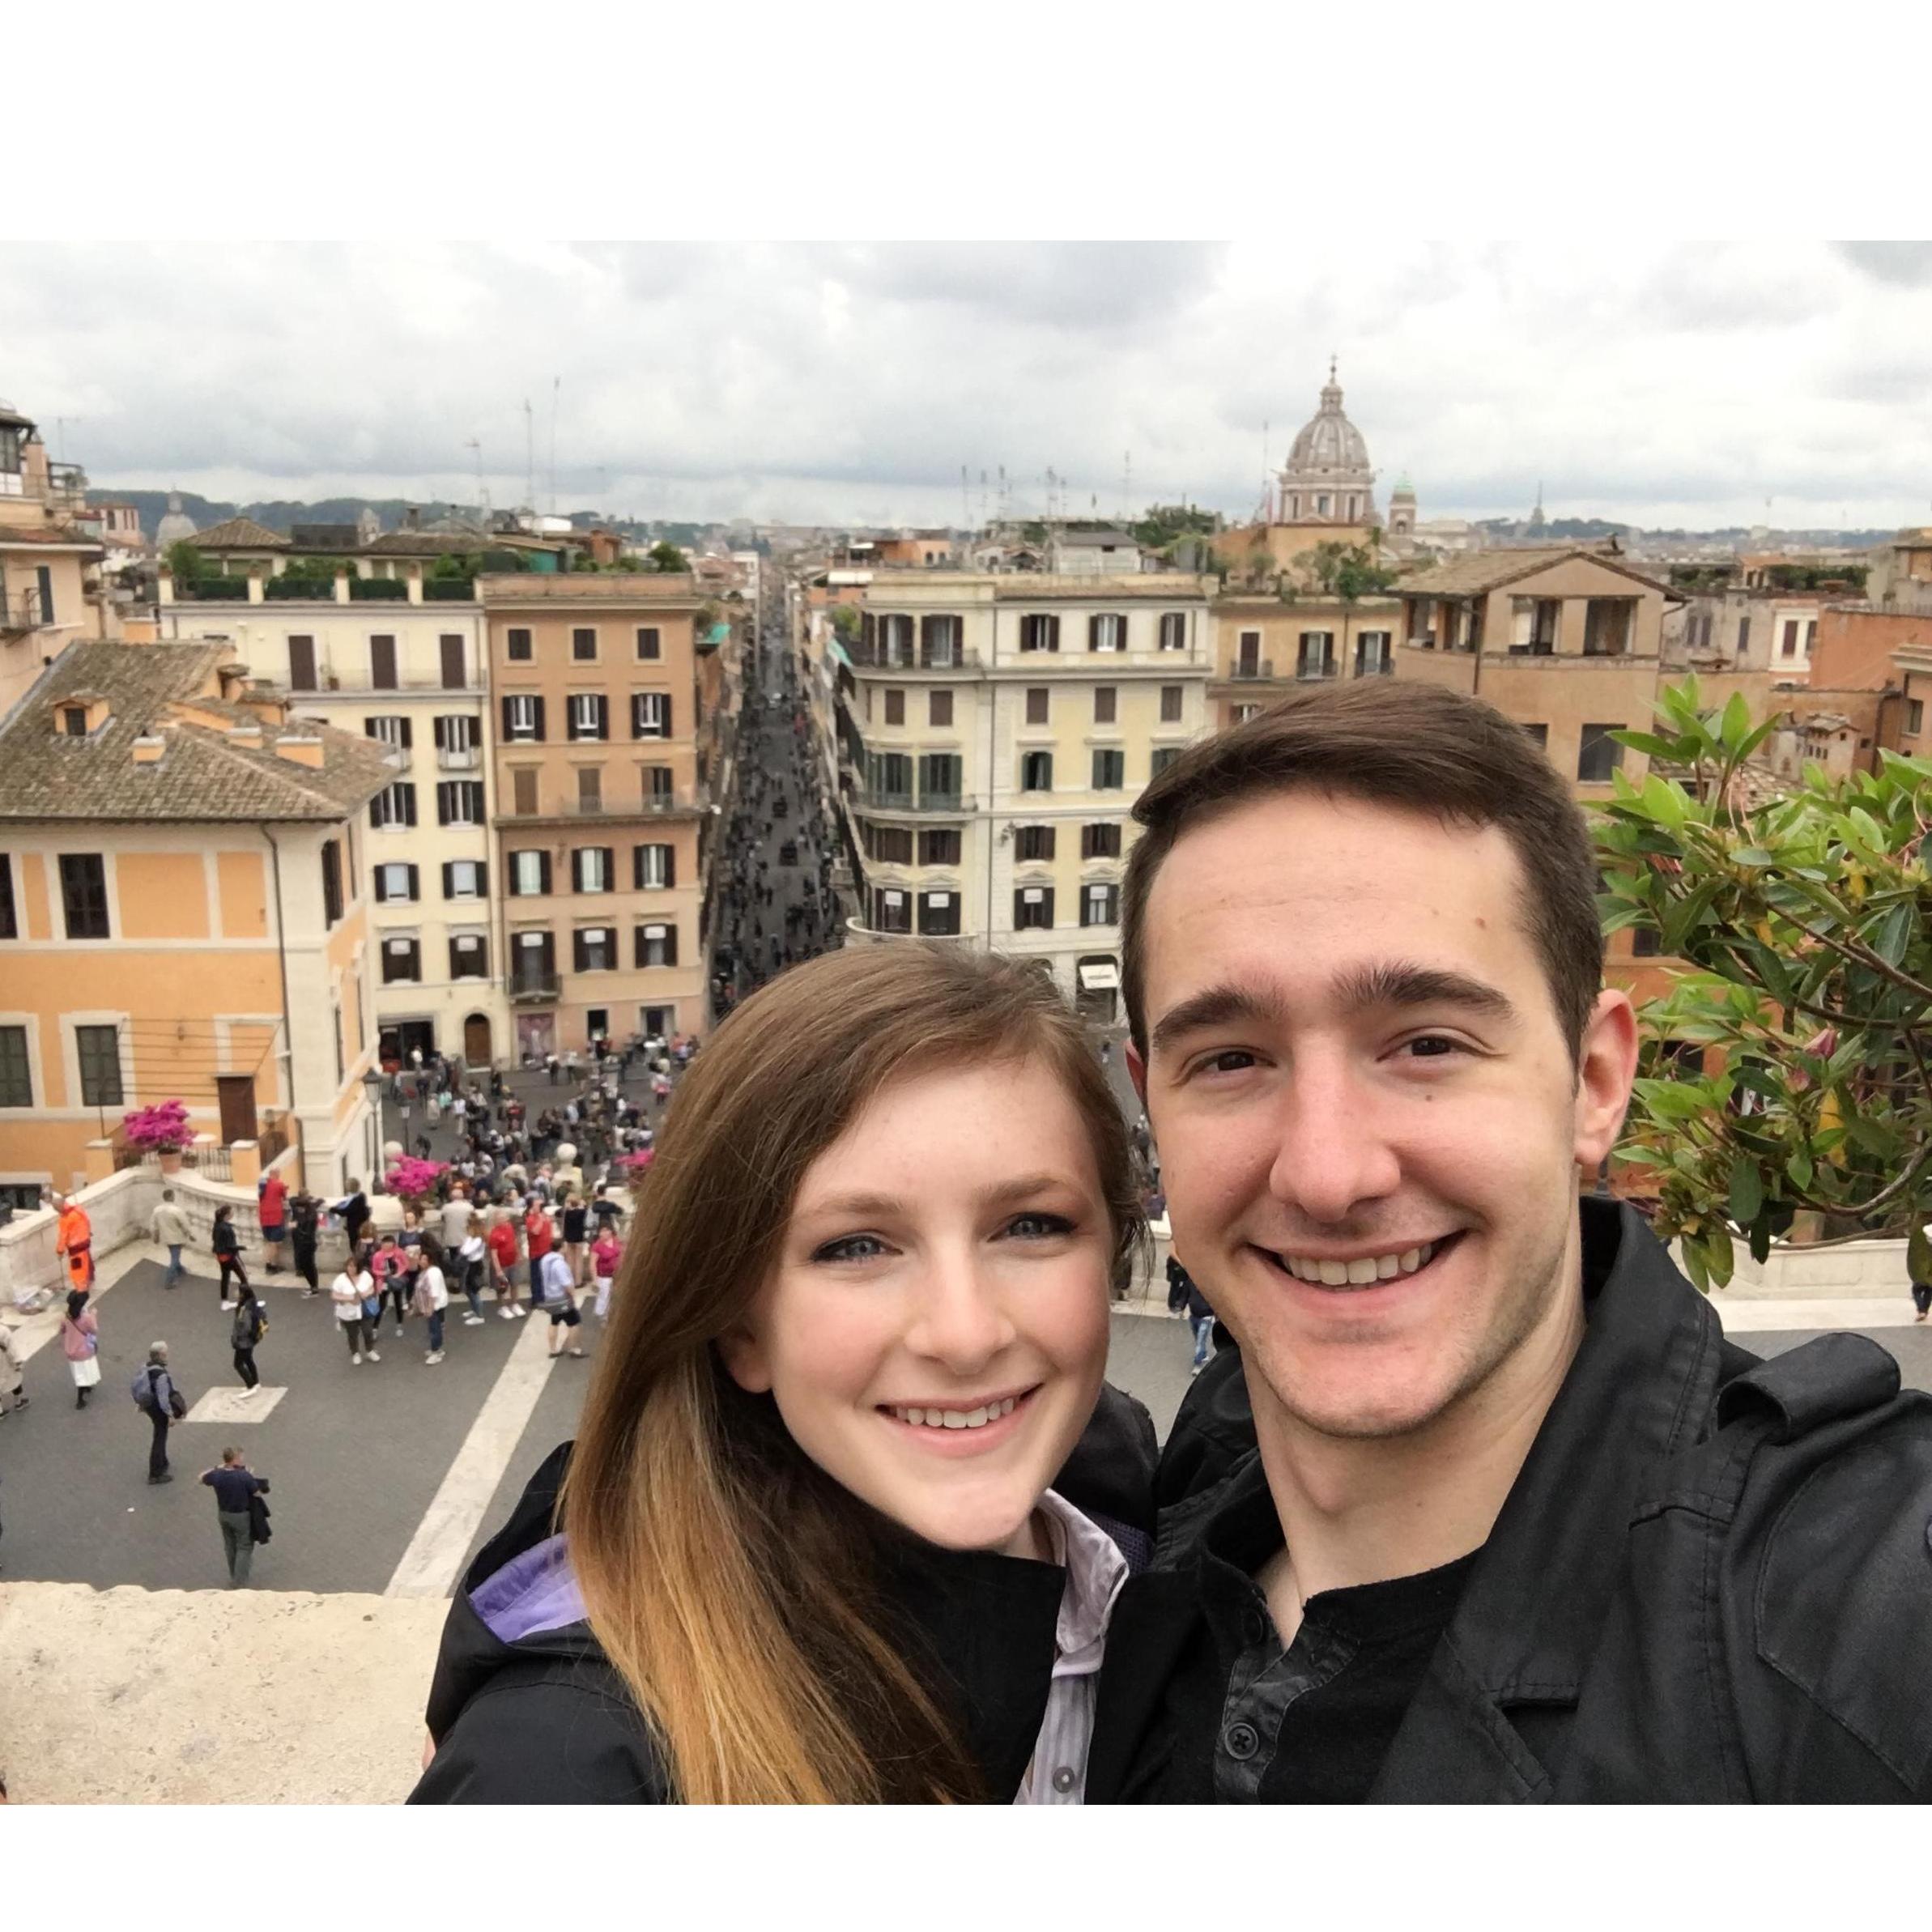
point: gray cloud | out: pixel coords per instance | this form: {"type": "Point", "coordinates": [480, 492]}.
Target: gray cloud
{"type": "Point", "coordinates": [849, 380]}
{"type": "Point", "coordinates": [1903, 264]}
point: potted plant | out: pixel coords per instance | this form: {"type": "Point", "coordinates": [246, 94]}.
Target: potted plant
{"type": "Point", "coordinates": [417, 1184]}
{"type": "Point", "coordinates": [162, 1129]}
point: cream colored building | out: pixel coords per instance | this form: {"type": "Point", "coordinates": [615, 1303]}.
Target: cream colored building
{"type": "Point", "coordinates": [413, 676]}
{"type": "Point", "coordinates": [994, 731]}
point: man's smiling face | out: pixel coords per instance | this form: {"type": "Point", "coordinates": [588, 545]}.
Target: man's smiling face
{"type": "Point", "coordinates": [1369, 1120]}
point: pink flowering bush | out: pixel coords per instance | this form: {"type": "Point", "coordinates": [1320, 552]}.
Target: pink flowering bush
{"type": "Point", "coordinates": [630, 1168]}
{"type": "Point", "coordinates": [161, 1129]}
{"type": "Point", "coordinates": [415, 1181]}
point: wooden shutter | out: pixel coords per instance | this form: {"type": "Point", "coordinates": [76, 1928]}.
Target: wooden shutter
{"type": "Point", "coordinates": [415, 882]}
{"type": "Point", "coordinates": [603, 715]}
{"type": "Point", "coordinates": [671, 945]}
{"type": "Point", "coordinates": [671, 867]}
{"type": "Point", "coordinates": [453, 662]}
{"type": "Point", "coordinates": [442, 734]}
{"type": "Point", "coordinates": [506, 721]}
{"type": "Point", "coordinates": [543, 871]}
{"type": "Point", "coordinates": [665, 711]}
{"type": "Point", "coordinates": [448, 880]}
{"type": "Point", "coordinates": [301, 664]}
{"type": "Point", "coordinates": [609, 855]}
{"type": "Point", "coordinates": [408, 734]}
{"type": "Point", "coordinates": [382, 663]}
{"type": "Point", "coordinates": [537, 704]}
{"type": "Point", "coordinates": [482, 878]}
{"type": "Point", "coordinates": [1053, 633]}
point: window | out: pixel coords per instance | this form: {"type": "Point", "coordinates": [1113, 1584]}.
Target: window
{"type": "Point", "coordinates": [332, 883]}
{"type": "Point", "coordinates": [590, 788]}
{"type": "Point", "coordinates": [590, 868]}
{"type": "Point", "coordinates": [401, 961]}
{"type": "Point", "coordinates": [536, 966]}
{"type": "Point", "coordinates": [1039, 705]}
{"type": "Point", "coordinates": [1032, 908]}
{"type": "Point", "coordinates": [1105, 700]}
{"type": "Point", "coordinates": [1172, 698]}
{"type": "Point", "coordinates": [650, 646]}
{"type": "Point", "coordinates": [1033, 842]}
{"type": "Point", "coordinates": [1606, 621]}
{"type": "Point", "coordinates": [466, 878]}
{"type": "Point", "coordinates": [1788, 648]}
{"type": "Point", "coordinates": [656, 783]}
{"type": "Point", "coordinates": [450, 645]}
{"type": "Point", "coordinates": [591, 949]}
{"type": "Point", "coordinates": [1915, 722]}
{"type": "Point", "coordinates": [941, 775]}
{"type": "Point", "coordinates": [84, 895]}
{"type": "Point", "coordinates": [73, 721]}
{"type": "Point", "coordinates": [892, 910]}
{"type": "Point", "coordinates": [654, 868]}
{"type": "Point", "coordinates": [1743, 636]}
{"type": "Point", "coordinates": [657, 946]}
{"type": "Point", "coordinates": [895, 707]}
{"type": "Point", "coordinates": [301, 664]}
{"type": "Point", "coordinates": [517, 647]}
{"type": "Point", "coordinates": [1248, 655]}
{"type": "Point", "coordinates": [1099, 905]}
{"type": "Point", "coordinates": [1161, 757]}
{"type": "Point", "coordinates": [939, 848]}
{"type": "Point", "coordinates": [523, 720]}
{"type": "Point", "coordinates": [396, 806]}
{"type": "Point", "coordinates": [393, 732]}
{"type": "Point", "coordinates": [530, 873]}
{"type": "Point", "coordinates": [16, 1069]}
{"type": "Point", "coordinates": [468, 957]}
{"type": "Point", "coordinates": [98, 1050]}
{"type": "Point", "coordinates": [1373, 654]}
{"type": "Point", "coordinates": [1100, 841]}
{"type": "Point", "coordinates": [10, 922]}
{"type": "Point", "coordinates": [1039, 631]}
{"type": "Point", "coordinates": [583, 644]}
{"type": "Point", "coordinates": [460, 802]}
{"type": "Point", "coordinates": [1241, 713]}
{"type": "Point", "coordinates": [1539, 735]}
{"type": "Point", "coordinates": [1173, 630]}
{"type": "Point", "coordinates": [1110, 770]}
{"type": "Point", "coordinates": [456, 739]}
{"type": "Point", "coordinates": [939, 642]}
{"type": "Point", "coordinates": [1316, 657]}
{"type": "Point", "coordinates": [394, 883]}
{"type": "Point", "coordinates": [1810, 632]}
{"type": "Point", "coordinates": [890, 845]}
{"type": "Point", "coordinates": [1646, 942]}
{"type": "Point", "coordinates": [939, 914]}
{"type": "Point", "coordinates": [523, 791]}
{"type": "Point", "coordinates": [939, 708]}
{"type": "Point", "coordinates": [1037, 772]}
{"type": "Point", "coordinates": [650, 714]}
{"type": "Point", "coordinates": [1598, 755]}
{"type": "Point", "coordinates": [382, 663]}
{"type": "Point", "coordinates": [1107, 631]}
{"type": "Point", "coordinates": [894, 636]}
{"type": "Point", "coordinates": [589, 715]}
{"type": "Point", "coordinates": [889, 778]}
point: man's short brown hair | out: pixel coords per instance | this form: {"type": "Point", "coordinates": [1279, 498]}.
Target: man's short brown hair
{"type": "Point", "coordinates": [1415, 747]}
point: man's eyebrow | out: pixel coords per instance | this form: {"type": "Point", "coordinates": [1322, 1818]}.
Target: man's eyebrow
{"type": "Point", "coordinates": [1403, 983]}
{"type": "Point", "coordinates": [1211, 1006]}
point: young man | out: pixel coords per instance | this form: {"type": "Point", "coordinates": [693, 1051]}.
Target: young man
{"type": "Point", "coordinates": [171, 1230]}
{"type": "Point", "coordinates": [1509, 1519]}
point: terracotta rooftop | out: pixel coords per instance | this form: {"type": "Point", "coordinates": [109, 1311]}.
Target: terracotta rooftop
{"type": "Point", "coordinates": [1486, 570]}
{"type": "Point", "coordinates": [157, 690]}
{"type": "Point", "coordinates": [239, 532]}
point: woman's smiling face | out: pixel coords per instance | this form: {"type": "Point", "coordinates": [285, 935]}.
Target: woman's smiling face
{"type": "Point", "coordinates": [934, 1332]}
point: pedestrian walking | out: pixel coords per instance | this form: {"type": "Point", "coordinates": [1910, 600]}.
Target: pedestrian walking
{"type": "Point", "coordinates": [249, 1325]}
{"type": "Point", "coordinates": [13, 1371]}
{"type": "Point", "coordinates": [577, 1237]}
{"type": "Point", "coordinates": [235, 1487]}
{"type": "Point", "coordinates": [472, 1259]}
{"type": "Point", "coordinates": [303, 1235]}
{"type": "Point", "coordinates": [157, 1398]}
{"type": "Point", "coordinates": [560, 1303]}
{"type": "Point", "coordinates": [605, 1255]}
{"type": "Point", "coordinates": [389, 1267]}
{"type": "Point", "coordinates": [228, 1252]}
{"type": "Point", "coordinates": [274, 1203]}
{"type": "Point", "coordinates": [348, 1292]}
{"type": "Point", "coordinates": [432, 1298]}
{"type": "Point", "coordinates": [171, 1232]}
{"type": "Point", "coordinates": [80, 1344]}
{"type": "Point", "coordinates": [501, 1241]}
{"type": "Point", "coordinates": [353, 1210]}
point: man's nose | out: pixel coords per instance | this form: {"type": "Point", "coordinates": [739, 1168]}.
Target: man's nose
{"type": "Point", "coordinates": [1332, 1151]}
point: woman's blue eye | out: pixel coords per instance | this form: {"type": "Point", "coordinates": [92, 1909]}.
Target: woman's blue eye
{"type": "Point", "coordinates": [851, 1248]}
{"type": "Point", "coordinates": [1039, 1228]}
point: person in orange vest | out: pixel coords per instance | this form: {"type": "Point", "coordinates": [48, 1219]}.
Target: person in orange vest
{"type": "Point", "coordinates": [74, 1240]}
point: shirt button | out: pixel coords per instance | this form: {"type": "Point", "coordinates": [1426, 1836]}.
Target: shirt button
{"type": "Point", "coordinates": [1063, 1778]}
{"type": "Point", "coordinates": [1242, 1741]}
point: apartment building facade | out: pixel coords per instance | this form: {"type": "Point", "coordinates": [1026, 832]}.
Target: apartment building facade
{"type": "Point", "coordinates": [183, 915]}
{"type": "Point", "coordinates": [994, 731]}
{"type": "Point", "coordinates": [1265, 647]}
{"type": "Point", "coordinates": [412, 678]}
{"type": "Point", "coordinates": [600, 822]}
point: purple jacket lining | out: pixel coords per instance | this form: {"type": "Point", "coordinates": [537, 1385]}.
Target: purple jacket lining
{"type": "Point", "coordinates": [535, 1591]}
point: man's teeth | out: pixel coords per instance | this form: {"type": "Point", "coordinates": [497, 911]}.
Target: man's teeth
{"type": "Point", "coordinates": [1358, 1274]}
{"type": "Point", "coordinates": [957, 1419]}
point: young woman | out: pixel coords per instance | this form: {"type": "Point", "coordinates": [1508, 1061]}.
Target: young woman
{"type": "Point", "coordinates": [471, 1260]}
{"type": "Point", "coordinates": [430, 1298]}
{"type": "Point", "coordinates": [605, 1256]}
{"type": "Point", "coordinates": [80, 1344]}
{"type": "Point", "coordinates": [819, 1539]}
{"type": "Point", "coordinates": [577, 1237]}
{"type": "Point", "coordinates": [249, 1325]}
{"type": "Point", "coordinates": [228, 1251]}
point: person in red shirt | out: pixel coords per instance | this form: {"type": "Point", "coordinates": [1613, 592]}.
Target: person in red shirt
{"type": "Point", "coordinates": [275, 1219]}
{"type": "Point", "coordinates": [502, 1239]}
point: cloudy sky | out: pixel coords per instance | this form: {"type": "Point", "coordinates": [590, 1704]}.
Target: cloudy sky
{"type": "Point", "coordinates": [1672, 383]}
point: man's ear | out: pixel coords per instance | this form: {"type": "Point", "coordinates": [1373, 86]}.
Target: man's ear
{"type": "Point", "coordinates": [1605, 1069]}
{"type": "Point", "coordinates": [743, 1356]}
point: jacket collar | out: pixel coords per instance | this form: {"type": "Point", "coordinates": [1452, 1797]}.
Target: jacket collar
{"type": "Point", "coordinates": [1641, 1386]}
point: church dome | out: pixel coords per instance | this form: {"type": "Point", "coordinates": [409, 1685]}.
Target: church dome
{"type": "Point", "coordinates": [1329, 446]}
{"type": "Point", "coordinates": [175, 526]}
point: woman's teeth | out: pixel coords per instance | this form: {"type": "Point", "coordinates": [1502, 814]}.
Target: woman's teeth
{"type": "Point", "coordinates": [1359, 1274]}
{"type": "Point", "coordinates": [956, 1419]}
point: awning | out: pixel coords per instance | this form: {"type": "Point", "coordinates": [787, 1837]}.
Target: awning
{"type": "Point", "coordinates": [1101, 979]}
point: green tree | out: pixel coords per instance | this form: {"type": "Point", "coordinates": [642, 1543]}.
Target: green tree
{"type": "Point", "coordinates": [668, 558]}
{"type": "Point", "coordinates": [1165, 522]}
{"type": "Point", "coordinates": [1788, 1067]}
{"type": "Point", "coordinates": [847, 622]}
{"type": "Point", "coordinates": [186, 563]}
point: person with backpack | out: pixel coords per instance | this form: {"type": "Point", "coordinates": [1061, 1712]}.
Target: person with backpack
{"type": "Point", "coordinates": [235, 1487]}
{"type": "Point", "coordinates": [157, 1398]}
{"type": "Point", "coordinates": [558, 1286]}
{"type": "Point", "coordinates": [228, 1252]}
{"type": "Point", "coordinates": [80, 1344]}
{"type": "Point", "coordinates": [250, 1325]}
{"type": "Point", "coordinates": [432, 1297]}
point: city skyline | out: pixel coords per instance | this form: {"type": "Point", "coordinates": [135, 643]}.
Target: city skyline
{"type": "Point", "coordinates": [1668, 384]}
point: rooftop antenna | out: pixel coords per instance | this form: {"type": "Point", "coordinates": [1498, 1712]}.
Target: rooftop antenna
{"type": "Point", "coordinates": [1126, 486]}
{"type": "Point", "coordinates": [556, 390]}
{"type": "Point", "coordinates": [529, 457]}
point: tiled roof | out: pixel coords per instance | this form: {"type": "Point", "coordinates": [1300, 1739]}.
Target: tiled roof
{"type": "Point", "coordinates": [203, 775]}
{"type": "Point", "coordinates": [239, 532]}
{"type": "Point", "coordinates": [1486, 570]}
{"type": "Point", "coordinates": [56, 533]}
{"type": "Point", "coordinates": [426, 543]}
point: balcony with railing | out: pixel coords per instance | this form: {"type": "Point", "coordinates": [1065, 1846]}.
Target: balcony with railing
{"type": "Point", "coordinates": [531, 984]}
{"type": "Point", "coordinates": [682, 801]}
{"type": "Point", "coordinates": [938, 663]}
{"type": "Point", "coordinates": [459, 758]}
{"type": "Point", "coordinates": [21, 613]}
{"type": "Point", "coordinates": [1315, 670]}
{"type": "Point", "coordinates": [1254, 670]}
{"type": "Point", "coordinates": [959, 803]}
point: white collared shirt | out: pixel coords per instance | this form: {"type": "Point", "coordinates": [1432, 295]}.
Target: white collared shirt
{"type": "Point", "coordinates": [1096, 1569]}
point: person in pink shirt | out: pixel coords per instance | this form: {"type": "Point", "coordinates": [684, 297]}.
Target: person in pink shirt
{"type": "Point", "coordinates": [605, 1255]}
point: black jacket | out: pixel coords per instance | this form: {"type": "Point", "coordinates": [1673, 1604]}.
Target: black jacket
{"type": "Point", "coordinates": [547, 1720]}
{"type": "Point", "coordinates": [1712, 1581]}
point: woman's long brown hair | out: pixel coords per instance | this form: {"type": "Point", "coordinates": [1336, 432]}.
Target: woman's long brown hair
{"type": "Point", "coordinates": [728, 1578]}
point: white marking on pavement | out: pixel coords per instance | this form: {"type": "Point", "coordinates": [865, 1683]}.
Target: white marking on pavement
{"type": "Point", "coordinates": [431, 1563]}
{"type": "Point", "coordinates": [235, 1405]}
